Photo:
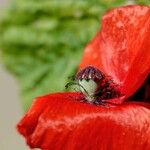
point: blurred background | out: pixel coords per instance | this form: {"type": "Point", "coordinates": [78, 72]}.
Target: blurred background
{"type": "Point", "coordinates": [41, 43]}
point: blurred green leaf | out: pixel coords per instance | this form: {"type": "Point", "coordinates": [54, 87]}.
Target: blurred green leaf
{"type": "Point", "coordinates": [42, 41]}
{"type": "Point", "coordinates": [143, 2]}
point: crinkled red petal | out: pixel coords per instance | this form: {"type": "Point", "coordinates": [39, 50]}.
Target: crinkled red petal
{"type": "Point", "coordinates": [59, 121]}
{"type": "Point", "coordinates": [122, 48]}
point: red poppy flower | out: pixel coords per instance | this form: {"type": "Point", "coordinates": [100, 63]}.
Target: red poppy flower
{"type": "Point", "coordinates": [120, 50]}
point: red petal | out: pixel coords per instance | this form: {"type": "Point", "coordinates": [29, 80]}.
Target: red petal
{"type": "Point", "coordinates": [122, 48]}
{"type": "Point", "coordinates": [58, 121]}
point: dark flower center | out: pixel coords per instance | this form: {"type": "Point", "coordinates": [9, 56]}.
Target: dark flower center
{"type": "Point", "coordinates": [95, 85]}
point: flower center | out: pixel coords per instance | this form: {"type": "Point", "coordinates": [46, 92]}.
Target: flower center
{"type": "Point", "coordinates": [96, 86]}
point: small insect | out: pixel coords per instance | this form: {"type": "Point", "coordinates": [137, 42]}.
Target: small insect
{"type": "Point", "coordinates": [95, 85]}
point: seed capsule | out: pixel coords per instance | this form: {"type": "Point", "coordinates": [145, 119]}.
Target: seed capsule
{"type": "Point", "coordinates": [95, 85]}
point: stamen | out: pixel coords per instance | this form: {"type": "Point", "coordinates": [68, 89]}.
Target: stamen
{"type": "Point", "coordinates": [89, 72]}
{"type": "Point", "coordinates": [95, 85]}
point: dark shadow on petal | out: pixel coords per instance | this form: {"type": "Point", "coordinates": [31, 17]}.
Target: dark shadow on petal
{"type": "Point", "coordinates": [143, 94]}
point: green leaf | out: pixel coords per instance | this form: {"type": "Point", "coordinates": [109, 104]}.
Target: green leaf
{"type": "Point", "coordinates": [41, 42]}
